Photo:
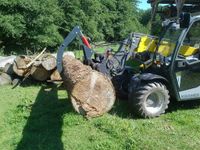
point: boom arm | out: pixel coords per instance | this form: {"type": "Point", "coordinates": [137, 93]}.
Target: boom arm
{"type": "Point", "coordinates": [76, 32]}
{"type": "Point", "coordinates": [108, 63]}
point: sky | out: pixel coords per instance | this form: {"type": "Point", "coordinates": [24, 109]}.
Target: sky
{"type": "Point", "coordinates": [144, 5]}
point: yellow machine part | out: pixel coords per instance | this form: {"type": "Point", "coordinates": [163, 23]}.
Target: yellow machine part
{"type": "Point", "coordinates": [165, 48]}
{"type": "Point", "coordinates": [146, 43]}
{"type": "Point", "coordinates": [188, 50]}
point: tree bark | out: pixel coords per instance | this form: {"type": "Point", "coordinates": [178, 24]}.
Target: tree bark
{"type": "Point", "coordinates": [19, 66]}
{"type": "Point", "coordinates": [39, 73]}
{"type": "Point", "coordinates": [92, 93]}
{"type": "Point", "coordinates": [42, 68]}
{"type": "Point", "coordinates": [55, 76]}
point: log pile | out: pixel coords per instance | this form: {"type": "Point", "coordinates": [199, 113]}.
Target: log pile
{"type": "Point", "coordinates": [41, 68]}
{"type": "Point", "coordinates": [20, 65]}
{"type": "Point", "coordinates": [92, 93]}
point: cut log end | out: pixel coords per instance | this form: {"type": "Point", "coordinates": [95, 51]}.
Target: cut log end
{"type": "Point", "coordinates": [48, 62]}
{"type": "Point", "coordinates": [39, 73]}
{"type": "Point", "coordinates": [19, 66]}
{"type": "Point", "coordinates": [55, 76]}
{"type": "Point", "coordinates": [92, 93]}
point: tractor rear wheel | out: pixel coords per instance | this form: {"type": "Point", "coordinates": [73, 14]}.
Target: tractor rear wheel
{"type": "Point", "coordinates": [150, 100]}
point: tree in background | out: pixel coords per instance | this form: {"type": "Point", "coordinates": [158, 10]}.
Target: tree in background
{"type": "Point", "coordinates": [85, 13]}
{"type": "Point", "coordinates": [127, 19]}
{"type": "Point", "coordinates": [103, 19]}
{"type": "Point", "coordinates": [145, 17]}
{"type": "Point", "coordinates": [27, 24]}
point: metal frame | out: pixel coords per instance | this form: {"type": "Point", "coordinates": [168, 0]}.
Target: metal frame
{"type": "Point", "coordinates": [164, 74]}
{"type": "Point", "coordinates": [180, 4]}
{"type": "Point", "coordinates": [110, 66]}
{"type": "Point", "coordinates": [174, 56]}
{"type": "Point", "coordinates": [76, 32]}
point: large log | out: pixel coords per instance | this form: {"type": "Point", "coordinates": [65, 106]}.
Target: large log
{"type": "Point", "coordinates": [92, 93]}
{"type": "Point", "coordinates": [5, 79]}
{"type": "Point", "coordinates": [55, 76]}
{"type": "Point", "coordinates": [43, 67]}
{"type": "Point", "coordinates": [20, 65]}
{"type": "Point", "coordinates": [48, 62]}
{"type": "Point", "coordinates": [38, 72]}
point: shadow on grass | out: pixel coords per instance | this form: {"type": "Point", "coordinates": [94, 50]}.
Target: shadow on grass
{"type": "Point", "coordinates": [43, 129]}
{"type": "Point", "coordinates": [122, 108]}
{"type": "Point", "coordinates": [32, 82]}
{"type": "Point", "coordinates": [184, 105]}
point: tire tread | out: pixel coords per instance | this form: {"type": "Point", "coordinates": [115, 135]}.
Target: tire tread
{"type": "Point", "coordinates": [137, 97]}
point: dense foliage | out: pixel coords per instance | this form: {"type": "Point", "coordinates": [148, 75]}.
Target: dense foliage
{"type": "Point", "coordinates": [31, 25]}
{"type": "Point", "coordinates": [28, 24]}
{"type": "Point", "coordinates": [154, 26]}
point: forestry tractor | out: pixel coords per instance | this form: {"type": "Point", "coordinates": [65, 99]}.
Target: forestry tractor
{"type": "Point", "coordinates": [149, 70]}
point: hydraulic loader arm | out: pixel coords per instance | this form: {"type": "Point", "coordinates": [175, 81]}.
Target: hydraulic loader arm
{"type": "Point", "coordinates": [108, 63]}
{"type": "Point", "coordinates": [76, 32]}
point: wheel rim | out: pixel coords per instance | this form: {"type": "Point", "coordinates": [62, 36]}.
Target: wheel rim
{"type": "Point", "coordinates": [154, 102]}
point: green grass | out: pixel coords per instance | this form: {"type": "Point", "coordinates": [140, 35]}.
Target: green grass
{"type": "Point", "coordinates": [103, 48]}
{"type": "Point", "coordinates": [100, 49]}
{"type": "Point", "coordinates": [41, 117]}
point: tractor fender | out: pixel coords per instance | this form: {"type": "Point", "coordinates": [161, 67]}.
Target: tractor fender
{"type": "Point", "coordinates": [138, 79]}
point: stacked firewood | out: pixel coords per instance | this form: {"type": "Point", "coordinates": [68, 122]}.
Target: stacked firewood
{"type": "Point", "coordinates": [40, 68]}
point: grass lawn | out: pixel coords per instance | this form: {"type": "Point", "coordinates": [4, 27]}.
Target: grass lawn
{"type": "Point", "coordinates": [100, 49]}
{"type": "Point", "coordinates": [40, 117]}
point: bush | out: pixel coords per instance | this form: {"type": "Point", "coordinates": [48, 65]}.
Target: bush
{"type": "Point", "coordinates": [29, 24]}
{"type": "Point", "coordinates": [32, 25]}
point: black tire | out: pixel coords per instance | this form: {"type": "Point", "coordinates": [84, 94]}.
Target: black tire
{"type": "Point", "coordinates": [120, 91]}
{"type": "Point", "coordinates": [149, 100]}
{"type": "Point", "coordinates": [121, 86]}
